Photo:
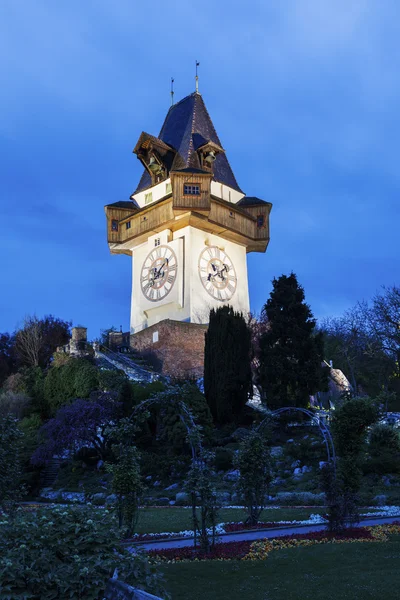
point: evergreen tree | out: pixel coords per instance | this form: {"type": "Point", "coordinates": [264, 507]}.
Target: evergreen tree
{"type": "Point", "coordinates": [291, 351]}
{"type": "Point", "coordinates": [227, 371]}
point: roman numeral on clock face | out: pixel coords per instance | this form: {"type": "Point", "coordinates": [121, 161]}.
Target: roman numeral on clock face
{"type": "Point", "coordinates": [158, 274]}
{"type": "Point", "coordinates": [217, 273]}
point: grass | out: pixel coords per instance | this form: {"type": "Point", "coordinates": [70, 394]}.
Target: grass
{"type": "Point", "coordinates": [354, 571]}
{"type": "Point", "coordinates": [155, 520]}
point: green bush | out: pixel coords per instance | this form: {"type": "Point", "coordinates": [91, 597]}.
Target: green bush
{"type": "Point", "coordinates": [30, 475]}
{"type": "Point", "coordinates": [67, 553]}
{"type": "Point", "coordinates": [76, 379]}
{"type": "Point", "coordinates": [308, 451]}
{"type": "Point", "coordinates": [111, 380]}
{"type": "Point", "coordinates": [32, 379]}
{"type": "Point", "coordinates": [164, 467]}
{"type": "Point", "coordinates": [299, 499]}
{"type": "Point", "coordinates": [10, 460]}
{"type": "Point", "coordinates": [172, 432]}
{"type": "Point", "coordinates": [384, 450]}
{"type": "Point", "coordinates": [223, 459]}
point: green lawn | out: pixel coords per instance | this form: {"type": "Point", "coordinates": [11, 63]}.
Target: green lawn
{"type": "Point", "coordinates": [154, 520]}
{"type": "Point", "coordinates": [353, 571]}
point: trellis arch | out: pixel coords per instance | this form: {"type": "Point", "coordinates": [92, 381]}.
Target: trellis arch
{"type": "Point", "coordinates": [185, 414]}
{"type": "Point", "coordinates": [315, 418]}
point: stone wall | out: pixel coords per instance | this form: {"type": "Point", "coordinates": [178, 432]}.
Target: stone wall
{"type": "Point", "coordinates": [175, 348]}
{"type": "Point", "coordinates": [118, 338]}
{"type": "Point", "coordinates": [117, 590]}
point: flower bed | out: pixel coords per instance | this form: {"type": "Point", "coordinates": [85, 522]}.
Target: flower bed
{"type": "Point", "coordinates": [260, 549]}
{"type": "Point", "coordinates": [312, 520]}
{"type": "Point", "coordinates": [226, 528]}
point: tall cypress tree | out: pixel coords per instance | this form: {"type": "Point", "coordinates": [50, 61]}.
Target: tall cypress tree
{"type": "Point", "coordinates": [291, 351]}
{"type": "Point", "coordinates": [227, 371]}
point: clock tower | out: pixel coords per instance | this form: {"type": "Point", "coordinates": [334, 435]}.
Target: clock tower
{"type": "Point", "coordinates": [188, 227]}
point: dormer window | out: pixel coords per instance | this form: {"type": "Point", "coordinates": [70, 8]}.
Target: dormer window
{"type": "Point", "coordinates": [260, 221]}
{"type": "Point", "coordinates": [148, 198]}
{"type": "Point", "coordinates": [191, 189]}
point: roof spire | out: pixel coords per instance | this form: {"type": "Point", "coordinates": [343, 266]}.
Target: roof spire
{"type": "Point", "coordinates": [197, 77]}
{"type": "Point", "coordinates": [172, 91]}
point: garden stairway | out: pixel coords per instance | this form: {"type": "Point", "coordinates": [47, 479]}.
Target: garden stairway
{"type": "Point", "coordinates": [50, 473]}
{"type": "Point", "coordinates": [130, 366]}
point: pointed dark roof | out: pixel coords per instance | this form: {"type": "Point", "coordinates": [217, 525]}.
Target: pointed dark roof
{"type": "Point", "coordinates": [128, 204]}
{"type": "Point", "coordinates": [186, 128]}
{"type": "Point", "coordinates": [251, 201]}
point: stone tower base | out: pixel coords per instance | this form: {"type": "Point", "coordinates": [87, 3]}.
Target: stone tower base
{"type": "Point", "coordinates": [175, 348]}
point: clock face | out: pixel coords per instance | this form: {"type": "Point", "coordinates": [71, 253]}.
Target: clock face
{"type": "Point", "coordinates": [217, 273]}
{"type": "Point", "coordinates": [158, 273]}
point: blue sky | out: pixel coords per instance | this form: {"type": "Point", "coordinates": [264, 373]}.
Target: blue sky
{"type": "Point", "coordinates": [304, 94]}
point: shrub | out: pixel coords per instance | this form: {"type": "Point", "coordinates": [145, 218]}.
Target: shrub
{"type": "Point", "coordinates": [76, 379]}
{"type": "Point", "coordinates": [299, 499]}
{"type": "Point", "coordinates": [254, 464]}
{"type": "Point", "coordinates": [172, 433]}
{"type": "Point", "coordinates": [67, 553]}
{"type": "Point", "coordinates": [30, 427]}
{"type": "Point", "coordinates": [223, 459]}
{"type": "Point", "coordinates": [163, 467]}
{"type": "Point", "coordinates": [307, 451]}
{"type": "Point", "coordinates": [15, 404]}
{"type": "Point", "coordinates": [10, 459]}
{"type": "Point", "coordinates": [111, 380]}
{"type": "Point", "coordinates": [82, 423]}
{"type": "Point", "coordinates": [384, 450]}
{"type": "Point", "coordinates": [127, 485]}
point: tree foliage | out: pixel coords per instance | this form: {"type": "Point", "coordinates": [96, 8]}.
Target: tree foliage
{"type": "Point", "coordinates": [15, 404]}
{"type": "Point", "coordinates": [126, 484]}
{"type": "Point", "coordinates": [76, 379]}
{"type": "Point", "coordinates": [171, 431]}
{"type": "Point", "coordinates": [82, 423]}
{"type": "Point", "coordinates": [37, 339]}
{"type": "Point", "coordinates": [227, 370]}
{"type": "Point", "coordinates": [204, 502]}
{"type": "Point", "coordinates": [10, 460]}
{"type": "Point", "coordinates": [365, 343]}
{"type": "Point", "coordinates": [254, 464]}
{"type": "Point", "coordinates": [67, 553]}
{"type": "Point", "coordinates": [383, 449]}
{"type": "Point", "coordinates": [349, 427]}
{"type": "Point", "coordinates": [291, 352]}
{"type": "Point", "coordinates": [7, 356]}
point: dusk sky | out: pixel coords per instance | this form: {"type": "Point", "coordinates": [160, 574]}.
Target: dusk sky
{"type": "Point", "coordinates": [304, 95]}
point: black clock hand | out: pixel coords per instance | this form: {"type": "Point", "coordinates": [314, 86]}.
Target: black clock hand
{"type": "Point", "coordinates": [158, 272]}
{"type": "Point", "coordinates": [220, 273]}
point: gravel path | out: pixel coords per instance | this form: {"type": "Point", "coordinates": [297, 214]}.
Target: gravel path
{"type": "Point", "coordinates": [258, 534]}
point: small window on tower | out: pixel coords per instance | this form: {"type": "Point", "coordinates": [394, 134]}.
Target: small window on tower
{"type": "Point", "coordinates": [168, 187]}
{"type": "Point", "coordinates": [157, 242]}
{"type": "Point", "coordinates": [114, 225]}
{"type": "Point", "coordinates": [148, 198]}
{"type": "Point", "coordinates": [232, 214]}
{"type": "Point", "coordinates": [191, 190]}
{"type": "Point", "coordinates": [261, 221]}
{"type": "Point", "coordinates": [128, 225]}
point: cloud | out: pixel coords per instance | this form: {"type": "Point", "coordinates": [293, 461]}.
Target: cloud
{"type": "Point", "coordinates": [304, 95]}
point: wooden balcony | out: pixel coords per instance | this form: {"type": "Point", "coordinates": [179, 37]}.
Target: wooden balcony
{"type": "Point", "coordinates": [247, 226]}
